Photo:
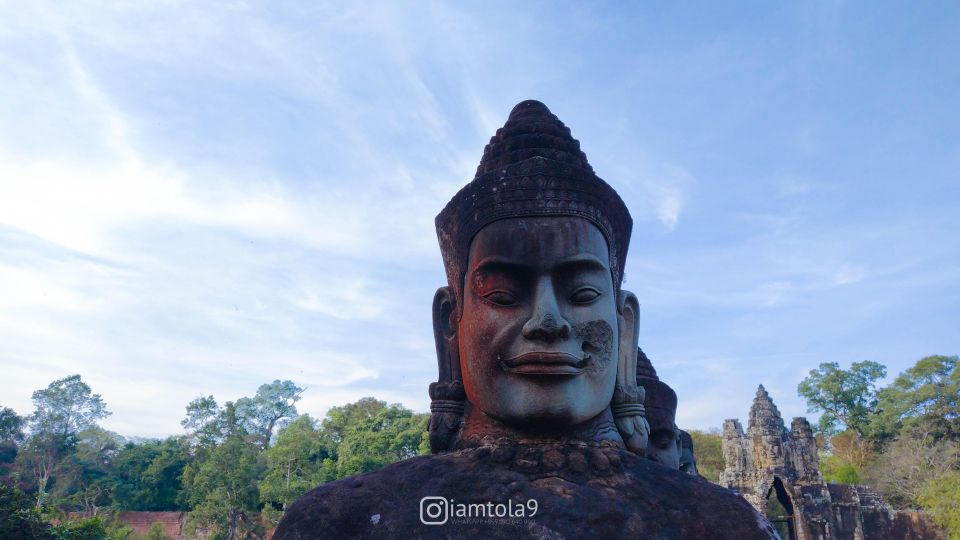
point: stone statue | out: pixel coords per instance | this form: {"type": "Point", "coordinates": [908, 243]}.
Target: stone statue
{"type": "Point", "coordinates": [688, 462]}
{"type": "Point", "coordinates": [538, 424]}
{"type": "Point", "coordinates": [661, 411]}
{"type": "Point", "coordinates": [668, 445]}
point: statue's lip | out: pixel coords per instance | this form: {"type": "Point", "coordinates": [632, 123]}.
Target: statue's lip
{"type": "Point", "coordinates": [545, 363]}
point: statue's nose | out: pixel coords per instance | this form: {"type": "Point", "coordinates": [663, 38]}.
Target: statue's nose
{"type": "Point", "coordinates": [546, 323]}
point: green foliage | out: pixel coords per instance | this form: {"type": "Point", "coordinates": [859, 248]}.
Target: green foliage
{"type": "Point", "coordinates": [84, 482]}
{"type": "Point", "coordinates": [941, 497]}
{"type": "Point", "coordinates": [273, 403]}
{"type": "Point", "coordinates": [838, 471]}
{"type": "Point", "coordinates": [20, 517]}
{"type": "Point", "coordinates": [203, 421]}
{"type": "Point", "coordinates": [223, 488]}
{"type": "Point", "coordinates": [237, 468]}
{"type": "Point", "coordinates": [11, 436]}
{"type": "Point", "coordinates": [157, 532]}
{"type": "Point", "coordinates": [62, 411]}
{"type": "Point", "coordinates": [148, 475]}
{"type": "Point", "coordinates": [845, 398]}
{"type": "Point", "coordinates": [903, 440]}
{"type": "Point", "coordinates": [708, 450]}
{"type": "Point", "coordinates": [297, 462]}
{"type": "Point", "coordinates": [849, 455]}
{"type": "Point", "coordinates": [924, 398]}
{"type": "Point", "coordinates": [92, 528]}
{"type": "Point", "coordinates": [11, 425]}
{"type": "Point", "coordinates": [65, 407]}
{"type": "Point", "coordinates": [341, 419]}
{"type": "Point", "coordinates": [907, 464]}
{"type": "Point", "coordinates": [388, 435]}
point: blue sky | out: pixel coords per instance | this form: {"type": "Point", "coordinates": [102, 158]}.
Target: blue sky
{"type": "Point", "coordinates": [197, 199]}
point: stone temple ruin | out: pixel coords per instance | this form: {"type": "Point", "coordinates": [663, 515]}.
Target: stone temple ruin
{"type": "Point", "coordinates": [778, 472]}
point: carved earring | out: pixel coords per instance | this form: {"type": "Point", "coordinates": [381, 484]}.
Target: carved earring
{"type": "Point", "coordinates": [447, 397]}
{"type": "Point", "coordinates": [627, 406]}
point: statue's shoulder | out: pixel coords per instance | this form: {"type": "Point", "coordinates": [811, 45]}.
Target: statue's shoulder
{"type": "Point", "coordinates": [381, 503]}
{"type": "Point", "coordinates": [693, 507]}
{"type": "Point", "coordinates": [622, 495]}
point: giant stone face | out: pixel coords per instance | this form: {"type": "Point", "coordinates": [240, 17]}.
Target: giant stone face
{"type": "Point", "coordinates": [539, 334]}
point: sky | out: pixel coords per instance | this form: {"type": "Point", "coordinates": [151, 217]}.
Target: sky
{"type": "Point", "coordinates": [198, 198]}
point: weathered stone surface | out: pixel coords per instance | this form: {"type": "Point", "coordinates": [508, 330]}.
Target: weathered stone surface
{"type": "Point", "coordinates": [769, 461]}
{"type": "Point", "coordinates": [539, 397]}
{"type": "Point", "coordinates": [619, 495]}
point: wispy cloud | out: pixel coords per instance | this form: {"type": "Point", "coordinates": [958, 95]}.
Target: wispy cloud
{"type": "Point", "coordinates": [199, 199]}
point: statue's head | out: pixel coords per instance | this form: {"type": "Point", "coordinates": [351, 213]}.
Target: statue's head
{"type": "Point", "coordinates": [533, 328]}
{"type": "Point", "coordinates": [688, 462]}
{"type": "Point", "coordinates": [661, 409]}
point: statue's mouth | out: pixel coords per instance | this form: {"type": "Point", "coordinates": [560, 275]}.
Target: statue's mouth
{"type": "Point", "coordinates": [538, 363]}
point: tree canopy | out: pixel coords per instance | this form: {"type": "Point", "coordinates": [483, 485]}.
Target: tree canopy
{"type": "Point", "coordinates": [845, 398]}
{"type": "Point", "coordinates": [65, 407]}
{"type": "Point", "coordinates": [924, 398]}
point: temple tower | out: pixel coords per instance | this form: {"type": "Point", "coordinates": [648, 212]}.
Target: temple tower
{"type": "Point", "coordinates": [778, 472]}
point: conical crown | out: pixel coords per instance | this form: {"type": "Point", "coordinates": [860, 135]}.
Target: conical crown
{"type": "Point", "coordinates": [660, 400]}
{"type": "Point", "coordinates": [645, 366]}
{"type": "Point", "coordinates": [531, 167]}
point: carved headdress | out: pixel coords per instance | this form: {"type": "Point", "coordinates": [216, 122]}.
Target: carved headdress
{"type": "Point", "coordinates": [531, 167]}
{"type": "Point", "coordinates": [661, 400]}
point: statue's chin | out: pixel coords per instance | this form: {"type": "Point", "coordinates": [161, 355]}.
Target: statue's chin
{"type": "Point", "coordinates": [543, 403]}
{"type": "Point", "coordinates": [542, 421]}
{"type": "Point", "coordinates": [543, 416]}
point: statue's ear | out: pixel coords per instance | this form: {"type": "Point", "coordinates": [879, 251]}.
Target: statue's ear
{"type": "Point", "coordinates": [627, 404]}
{"type": "Point", "coordinates": [629, 319]}
{"type": "Point", "coordinates": [446, 395]}
{"type": "Point", "coordinates": [444, 328]}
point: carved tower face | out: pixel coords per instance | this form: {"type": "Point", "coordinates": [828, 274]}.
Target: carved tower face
{"type": "Point", "coordinates": [539, 332]}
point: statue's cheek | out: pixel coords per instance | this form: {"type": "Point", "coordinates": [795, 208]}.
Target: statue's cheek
{"type": "Point", "coordinates": [597, 341]}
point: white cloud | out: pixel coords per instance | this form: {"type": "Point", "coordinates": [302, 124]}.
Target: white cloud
{"type": "Point", "coordinates": [848, 274]}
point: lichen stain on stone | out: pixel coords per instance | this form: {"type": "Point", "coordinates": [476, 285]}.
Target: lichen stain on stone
{"type": "Point", "coordinates": [597, 339]}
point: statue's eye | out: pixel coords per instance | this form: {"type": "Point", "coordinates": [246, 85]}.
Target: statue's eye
{"type": "Point", "coordinates": [501, 298]}
{"type": "Point", "coordinates": [584, 295]}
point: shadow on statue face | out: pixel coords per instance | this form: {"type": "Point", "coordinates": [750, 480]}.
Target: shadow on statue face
{"type": "Point", "coordinates": [538, 338]}
{"type": "Point", "coordinates": [664, 445]}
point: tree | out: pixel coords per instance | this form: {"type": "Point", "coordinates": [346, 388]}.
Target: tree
{"type": "Point", "coordinates": [907, 464]}
{"type": "Point", "coordinates": [273, 403]}
{"type": "Point", "coordinates": [708, 450]}
{"type": "Point", "coordinates": [66, 407]}
{"type": "Point", "coordinates": [941, 497]}
{"type": "Point", "coordinates": [340, 419]}
{"type": "Point", "coordinates": [148, 475]}
{"type": "Point", "coordinates": [850, 447]}
{"type": "Point", "coordinates": [844, 397]}
{"type": "Point", "coordinates": [297, 462]}
{"type": "Point", "coordinates": [849, 455]}
{"type": "Point", "coordinates": [837, 471]}
{"type": "Point", "coordinates": [157, 532]}
{"type": "Point", "coordinates": [86, 482]}
{"type": "Point", "coordinates": [203, 421]}
{"type": "Point", "coordinates": [62, 410]}
{"type": "Point", "coordinates": [391, 434]}
{"type": "Point", "coordinates": [19, 516]}
{"type": "Point", "coordinates": [223, 489]}
{"type": "Point", "coordinates": [925, 397]}
{"type": "Point", "coordinates": [11, 426]}
{"type": "Point", "coordinates": [11, 435]}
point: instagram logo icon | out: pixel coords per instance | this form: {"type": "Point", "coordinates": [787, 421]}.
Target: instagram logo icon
{"type": "Point", "coordinates": [433, 510]}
